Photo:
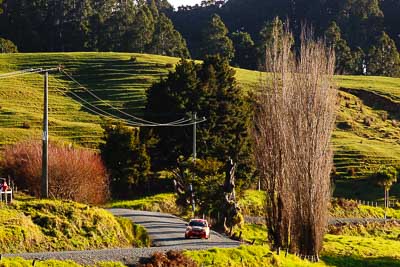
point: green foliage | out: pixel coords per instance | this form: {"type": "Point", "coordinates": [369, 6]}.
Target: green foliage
{"type": "Point", "coordinates": [246, 256]}
{"type": "Point", "coordinates": [361, 211]}
{"type": "Point", "coordinates": [252, 202]}
{"type": "Point", "coordinates": [159, 203]}
{"type": "Point", "coordinates": [125, 158]}
{"type": "Point", "coordinates": [388, 230]}
{"type": "Point", "coordinates": [207, 178]}
{"type": "Point", "coordinates": [385, 177]}
{"type": "Point", "coordinates": [20, 262]}
{"type": "Point", "coordinates": [45, 225]}
{"type": "Point", "coordinates": [168, 41]}
{"type": "Point", "coordinates": [339, 250]}
{"type": "Point", "coordinates": [344, 58]}
{"type": "Point", "coordinates": [256, 233]}
{"type": "Point", "coordinates": [6, 46]}
{"type": "Point", "coordinates": [215, 40]}
{"type": "Point", "coordinates": [245, 50]}
{"type": "Point", "coordinates": [209, 89]}
{"type": "Point", "coordinates": [384, 58]}
{"type": "Point", "coordinates": [136, 234]}
{"type": "Point", "coordinates": [95, 25]}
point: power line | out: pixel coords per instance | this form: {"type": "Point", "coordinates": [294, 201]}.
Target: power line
{"type": "Point", "coordinates": [25, 72]}
{"type": "Point", "coordinates": [95, 109]}
{"type": "Point", "coordinates": [121, 111]}
{"type": "Point", "coordinates": [183, 122]}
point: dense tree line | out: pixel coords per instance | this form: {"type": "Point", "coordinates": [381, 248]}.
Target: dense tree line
{"type": "Point", "coordinates": [364, 33]}
{"type": "Point", "coordinates": [91, 25]}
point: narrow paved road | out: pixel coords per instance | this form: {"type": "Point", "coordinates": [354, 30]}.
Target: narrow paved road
{"type": "Point", "coordinates": [166, 232]}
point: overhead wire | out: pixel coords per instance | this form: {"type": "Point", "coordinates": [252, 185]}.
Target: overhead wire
{"type": "Point", "coordinates": [182, 120]}
{"type": "Point", "coordinates": [178, 123]}
{"type": "Point", "coordinates": [142, 122]}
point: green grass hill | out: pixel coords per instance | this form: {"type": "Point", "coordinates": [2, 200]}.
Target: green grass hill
{"type": "Point", "coordinates": [31, 225]}
{"type": "Point", "coordinates": [367, 134]}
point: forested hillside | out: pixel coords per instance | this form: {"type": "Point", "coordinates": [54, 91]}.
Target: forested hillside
{"type": "Point", "coordinates": [364, 33]}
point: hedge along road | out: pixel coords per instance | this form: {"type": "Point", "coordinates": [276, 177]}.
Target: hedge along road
{"type": "Point", "coordinates": [165, 230]}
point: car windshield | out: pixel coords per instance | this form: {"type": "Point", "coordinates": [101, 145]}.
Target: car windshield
{"type": "Point", "coordinates": [197, 223]}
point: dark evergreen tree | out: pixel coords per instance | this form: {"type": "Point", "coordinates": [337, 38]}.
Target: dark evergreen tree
{"type": "Point", "coordinates": [125, 158]}
{"type": "Point", "coordinates": [391, 10]}
{"type": "Point", "coordinates": [216, 40]}
{"type": "Point", "coordinates": [211, 91]}
{"type": "Point", "coordinates": [361, 21]}
{"type": "Point", "coordinates": [169, 100]}
{"type": "Point", "coordinates": [383, 58]}
{"type": "Point", "coordinates": [344, 57]}
{"type": "Point", "coordinates": [166, 40]}
{"type": "Point", "coordinates": [245, 50]}
{"type": "Point", "coordinates": [358, 62]}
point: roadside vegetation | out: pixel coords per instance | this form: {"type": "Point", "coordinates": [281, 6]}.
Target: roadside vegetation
{"type": "Point", "coordinates": [30, 225]}
{"type": "Point", "coordinates": [164, 202]}
{"type": "Point", "coordinates": [19, 262]}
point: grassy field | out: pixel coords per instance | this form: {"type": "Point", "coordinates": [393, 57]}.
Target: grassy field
{"type": "Point", "coordinates": [366, 137]}
{"type": "Point", "coordinates": [345, 250]}
{"type": "Point", "coordinates": [30, 225]}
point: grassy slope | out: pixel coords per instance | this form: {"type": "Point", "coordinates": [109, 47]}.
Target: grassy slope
{"type": "Point", "coordinates": [159, 203]}
{"type": "Point", "coordinates": [45, 225]}
{"type": "Point", "coordinates": [376, 248]}
{"type": "Point", "coordinates": [122, 82]}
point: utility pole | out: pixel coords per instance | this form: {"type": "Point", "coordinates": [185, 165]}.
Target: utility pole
{"type": "Point", "coordinates": [44, 193]}
{"type": "Point", "coordinates": [194, 117]}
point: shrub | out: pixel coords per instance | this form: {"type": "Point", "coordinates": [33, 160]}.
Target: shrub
{"type": "Point", "coordinates": [368, 121]}
{"type": "Point", "coordinates": [384, 115]}
{"type": "Point", "coordinates": [74, 174]}
{"type": "Point", "coordinates": [6, 46]}
{"type": "Point", "coordinates": [171, 258]}
{"type": "Point", "coordinates": [26, 125]}
{"type": "Point", "coordinates": [351, 171]}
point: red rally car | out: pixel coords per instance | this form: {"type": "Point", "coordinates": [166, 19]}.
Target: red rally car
{"type": "Point", "coordinates": [197, 228]}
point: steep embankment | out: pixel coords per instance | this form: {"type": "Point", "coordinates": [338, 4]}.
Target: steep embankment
{"type": "Point", "coordinates": [367, 131]}
{"type": "Point", "coordinates": [48, 225]}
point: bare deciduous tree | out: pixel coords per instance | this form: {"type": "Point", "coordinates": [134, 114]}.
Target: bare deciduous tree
{"type": "Point", "coordinates": [294, 118]}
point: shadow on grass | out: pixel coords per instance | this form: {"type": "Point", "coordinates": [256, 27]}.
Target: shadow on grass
{"type": "Point", "coordinates": [352, 261]}
{"type": "Point", "coordinates": [362, 189]}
